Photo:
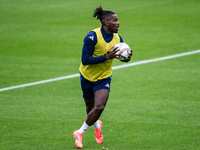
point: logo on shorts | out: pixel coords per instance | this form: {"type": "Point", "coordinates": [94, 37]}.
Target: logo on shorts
{"type": "Point", "coordinates": [107, 85]}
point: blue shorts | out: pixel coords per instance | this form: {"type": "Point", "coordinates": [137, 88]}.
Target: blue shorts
{"type": "Point", "coordinates": [89, 88]}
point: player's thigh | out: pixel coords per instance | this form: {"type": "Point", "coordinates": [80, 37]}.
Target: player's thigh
{"type": "Point", "coordinates": [101, 91]}
{"type": "Point", "coordinates": [101, 97]}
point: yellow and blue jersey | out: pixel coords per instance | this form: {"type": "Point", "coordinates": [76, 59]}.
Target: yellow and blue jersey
{"type": "Point", "coordinates": [97, 44]}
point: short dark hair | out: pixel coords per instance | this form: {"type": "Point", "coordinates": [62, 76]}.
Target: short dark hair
{"type": "Point", "coordinates": [102, 14]}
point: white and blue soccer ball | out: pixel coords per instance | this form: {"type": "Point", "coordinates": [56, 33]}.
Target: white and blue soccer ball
{"type": "Point", "coordinates": [124, 50]}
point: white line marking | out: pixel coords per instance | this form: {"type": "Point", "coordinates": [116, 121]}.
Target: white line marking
{"type": "Point", "coordinates": [39, 82]}
{"type": "Point", "coordinates": [156, 59]}
{"type": "Point", "coordinates": [114, 68]}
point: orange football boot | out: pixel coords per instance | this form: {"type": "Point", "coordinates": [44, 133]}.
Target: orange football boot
{"type": "Point", "coordinates": [78, 139]}
{"type": "Point", "coordinates": [98, 134]}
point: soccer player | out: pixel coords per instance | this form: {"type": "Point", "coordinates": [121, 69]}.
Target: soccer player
{"type": "Point", "coordinates": [96, 70]}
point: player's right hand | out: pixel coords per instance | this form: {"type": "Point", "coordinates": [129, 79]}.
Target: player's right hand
{"type": "Point", "coordinates": [112, 53]}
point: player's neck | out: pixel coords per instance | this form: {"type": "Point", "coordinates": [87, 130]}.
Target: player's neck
{"type": "Point", "coordinates": [106, 30]}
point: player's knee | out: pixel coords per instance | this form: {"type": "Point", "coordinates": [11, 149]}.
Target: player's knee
{"type": "Point", "coordinates": [89, 108]}
{"type": "Point", "coordinates": [100, 108]}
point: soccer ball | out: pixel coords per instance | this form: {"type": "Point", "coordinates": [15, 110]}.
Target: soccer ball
{"type": "Point", "coordinates": [124, 50]}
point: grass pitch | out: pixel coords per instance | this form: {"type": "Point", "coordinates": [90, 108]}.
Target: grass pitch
{"type": "Point", "coordinates": [151, 106]}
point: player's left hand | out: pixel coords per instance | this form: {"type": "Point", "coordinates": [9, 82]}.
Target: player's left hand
{"type": "Point", "coordinates": [129, 55]}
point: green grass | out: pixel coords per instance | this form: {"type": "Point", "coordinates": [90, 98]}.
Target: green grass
{"type": "Point", "coordinates": [151, 106]}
